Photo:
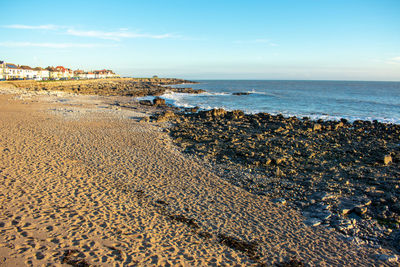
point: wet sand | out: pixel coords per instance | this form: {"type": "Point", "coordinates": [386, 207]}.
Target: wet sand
{"type": "Point", "coordinates": [85, 182]}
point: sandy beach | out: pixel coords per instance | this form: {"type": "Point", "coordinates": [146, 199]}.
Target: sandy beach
{"type": "Point", "coordinates": [84, 182]}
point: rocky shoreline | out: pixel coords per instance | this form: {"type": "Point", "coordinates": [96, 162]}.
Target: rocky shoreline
{"type": "Point", "coordinates": [339, 174]}
{"type": "Point", "coordinates": [135, 87]}
{"type": "Point", "coordinates": [85, 182]}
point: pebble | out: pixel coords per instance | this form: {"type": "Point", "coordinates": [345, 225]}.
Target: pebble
{"type": "Point", "coordinates": [387, 159]}
{"type": "Point", "coordinates": [280, 200]}
{"type": "Point", "coordinates": [313, 222]}
{"type": "Point", "coordinates": [325, 215]}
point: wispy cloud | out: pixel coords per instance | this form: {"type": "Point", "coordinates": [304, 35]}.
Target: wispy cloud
{"type": "Point", "coordinates": [32, 27]}
{"type": "Point", "coordinates": [118, 35]}
{"type": "Point", "coordinates": [52, 45]}
{"type": "Point", "coordinates": [256, 41]}
{"type": "Point", "coordinates": [394, 60]}
{"type": "Point", "coordinates": [122, 33]}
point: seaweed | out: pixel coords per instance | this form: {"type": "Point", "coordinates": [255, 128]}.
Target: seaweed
{"type": "Point", "coordinates": [251, 249]}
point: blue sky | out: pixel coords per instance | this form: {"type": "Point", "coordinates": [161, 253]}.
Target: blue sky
{"type": "Point", "coordinates": [286, 39]}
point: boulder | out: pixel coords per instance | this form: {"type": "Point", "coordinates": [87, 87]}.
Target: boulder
{"type": "Point", "coordinates": [145, 102]}
{"type": "Point", "coordinates": [158, 101]}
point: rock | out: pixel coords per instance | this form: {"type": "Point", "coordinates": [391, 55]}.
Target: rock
{"type": "Point", "coordinates": [169, 114]}
{"type": "Point", "coordinates": [193, 110]}
{"type": "Point", "coordinates": [145, 119]}
{"type": "Point", "coordinates": [235, 114]}
{"type": "Point", "coordinates": [241, 93]}
{"type": "Point", "coordinates": [355, 217]}
{"type": "Point", "coordinates": [317, 127]}
{"type": "Point", "coordinates": [343, 225]}
{"type": "Point", "coordinates": [360, 210]}
{"type": "Point", "coordinates": [364, 202]}
{"type": "Point", "coordinates": [347, 205]}
{"type": "Point", "coordinates": [313, 222]}
{"type": "Point", "coordinates": [158, 101]}
{"type": "Point", "coordinates": [278, 172]}
{"type": "Point", "coordinates": [145, 102]}
{"type": "Point", "coordinates": [216, 112]}
{"type": "Point", "coordinates": [322, 196]}
{"type": "Point", "coordinates": [325, 215]}
{"type": "Point", "coordinates": [165, 116]}
{"type": "Point", "coordinates": [387, 159]}
{"type": "Point", "coordinates": [388, 258]}
{"type": "Point", "coordinates": [280, 200]}
{"type": "Point", "coordinates": [338, 125]}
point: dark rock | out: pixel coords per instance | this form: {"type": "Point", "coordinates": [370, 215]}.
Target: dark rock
{"type": "Point", "coordinates": [145, 102]}
{"type": "Point", "coordinates": [165, 116]}
{"type": "Point", "coordinates": [158, 101]}
{"type": "Point", "coordinates": [241, 93]}
{"type": "Point", "coordinates": [322, 196]}
{"type": "Point", "coordinates": [280, 200]}
{"type": "Point", "coordinates": [360, 210]}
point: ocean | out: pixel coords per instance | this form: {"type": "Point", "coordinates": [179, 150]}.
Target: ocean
{"type": "Point", "coordinates": [328, 100]}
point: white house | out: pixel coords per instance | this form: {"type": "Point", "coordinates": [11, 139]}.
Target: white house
{"type": "Point", "coordinates": [101, 74]}
{"type": "Point", "coordinates": [9, 71]}
{"type": "Point", "coordinates": [13, 72]}
{"type": "Point", "coordinates": [41, 74]}
{"type": "Point", "coordinates": [2, 70]}
{"type": "Point", "coordinates": [90, 75]}
{"type": "Point", "coordinates": [28, 72]}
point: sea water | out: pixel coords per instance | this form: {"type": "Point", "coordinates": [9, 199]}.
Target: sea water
{"type": "Point", "coordinates": [328, 100]}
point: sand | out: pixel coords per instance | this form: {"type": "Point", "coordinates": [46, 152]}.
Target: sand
{"type": "Point", "coordinates": [85, 182]}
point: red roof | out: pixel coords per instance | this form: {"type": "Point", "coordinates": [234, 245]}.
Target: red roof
{"type": "Point", "coordinates": [62, 69]}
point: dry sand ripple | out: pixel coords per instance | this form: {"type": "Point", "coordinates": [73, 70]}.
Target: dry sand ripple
{"type": "Point", "coordinates": [83, 183]}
